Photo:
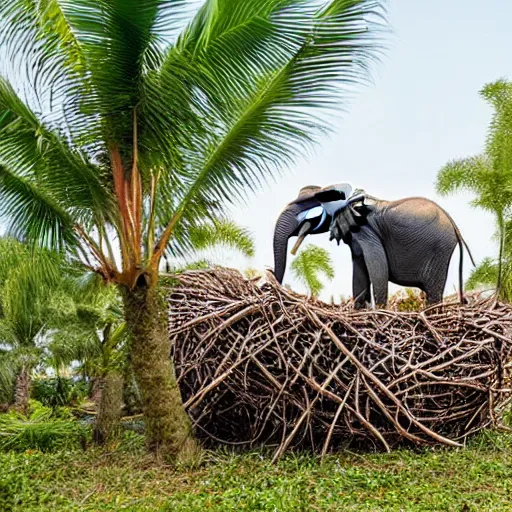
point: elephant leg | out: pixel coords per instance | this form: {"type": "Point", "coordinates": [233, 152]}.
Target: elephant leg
{"type": "Point", "coordinates": [361, 290]}
{"type": "Point", "coordinates": [434, 285]}
{"type": "Point", "coordinates": [377, 264]}
{"type": "Point", "coordinates": [434, 293]}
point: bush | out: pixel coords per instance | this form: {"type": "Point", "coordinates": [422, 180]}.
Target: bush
{"type": "Point", "coordinates": [59, 391]}
{"type": "Point", "coordinates": [40, 430]}
{"type": "Point", "coordinates": [407, 300]}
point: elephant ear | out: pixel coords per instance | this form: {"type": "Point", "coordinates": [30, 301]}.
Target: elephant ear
{"type": "Point", "coordinates": [306, 193]}
{"type": "Point", "coordinates": [330, 195]}
{"type": "Point", "coordinates": [334, 193]}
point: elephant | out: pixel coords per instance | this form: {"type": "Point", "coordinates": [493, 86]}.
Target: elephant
{"type": "Point", "coordinates": [408, 242]}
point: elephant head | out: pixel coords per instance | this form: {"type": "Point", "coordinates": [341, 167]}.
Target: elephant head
{"type": "Point", "coordinates": [311, 212]}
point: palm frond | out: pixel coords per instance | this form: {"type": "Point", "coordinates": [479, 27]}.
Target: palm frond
{"type": "Point", "coordinates": [32, 216]}
{"type": "Point", "coordinates": [311, 262]}
{"type": "Point", "coordinates": [466, 174]}
{"type": "Point", "coordinates": [486, 274]}
{"type": "Point", "coordinates": [290, 63]}
{"type": "Point", "coordinates": [222, 233]}
{"type": "Point", "coordinates": [39, 41]}
{"type": "Point", "coordinates": [31, 150]}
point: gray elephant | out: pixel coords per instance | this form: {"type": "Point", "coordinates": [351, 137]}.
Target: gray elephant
{"type": "Point", "coordinates": [409, 242]}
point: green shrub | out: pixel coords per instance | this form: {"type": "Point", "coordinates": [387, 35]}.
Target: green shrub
{"type": "Point", "coordinates": [407, 300]}
{"type": "Point", "coordinates": [41, 430]}
{"type": "Point", "coordinates": [59, 391]}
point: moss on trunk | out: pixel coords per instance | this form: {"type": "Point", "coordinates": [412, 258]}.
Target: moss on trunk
{"type": "Point", "coordinates": [168, 428]}
{"type": "Point", "coordinates": [108, 421]}
{"type": "Point", "coordinates": [131, 395]}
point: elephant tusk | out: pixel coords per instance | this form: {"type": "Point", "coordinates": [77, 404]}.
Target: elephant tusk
{"type": "Point", "coordinates": [298, 244]}
{"type": "Point", "coordinates": [304, 230]}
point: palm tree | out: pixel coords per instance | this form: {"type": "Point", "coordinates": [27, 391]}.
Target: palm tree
{"type": "Point", "coordinates": [118, 133]}
{"type": "Point", "coordinates": [95, 336]}
{"type": "Point", "coordinates": [488, 176]}
{"type": "Point", "coordinates": [29, 283]}
{"type": "Point", "coordinates": [307, 266]}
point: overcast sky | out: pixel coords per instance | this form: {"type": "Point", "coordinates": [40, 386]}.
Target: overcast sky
{"type": "Point", "coordinates": [421, 110]}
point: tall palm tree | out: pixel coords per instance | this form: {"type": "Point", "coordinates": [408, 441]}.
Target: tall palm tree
{"type": "Point", "coordinates": [488, 176]}
{"type": "Point", "coordinates": [122, 125]}
{"type": "Point", "coordinates": [309, 264]}
{"type": "Point", "coordinates": [97, 338]}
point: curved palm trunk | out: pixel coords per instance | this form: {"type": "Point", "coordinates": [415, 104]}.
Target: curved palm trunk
{"type": "Point", "coordinates": [22, 390]}
{"type": "Point", "coordinates": [501, 227]}
{"type": "Point", "coordinates": [168, 428]}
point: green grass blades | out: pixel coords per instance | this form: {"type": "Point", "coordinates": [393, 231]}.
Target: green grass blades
{"type": "Point", "coordinates": [477, 478]}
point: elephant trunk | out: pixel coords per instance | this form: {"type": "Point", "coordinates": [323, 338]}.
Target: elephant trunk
{"type": "Point", "coordinates": [286, 225]}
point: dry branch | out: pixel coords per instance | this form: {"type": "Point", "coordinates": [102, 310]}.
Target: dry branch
{"type": "Point", "coordinates": [260, 365]}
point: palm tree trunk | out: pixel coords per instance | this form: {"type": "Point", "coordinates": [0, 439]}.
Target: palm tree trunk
{"type": "Point", "coordinates": [501, 226]}
{"type": "Point", "coordinates": [95, 390]}
{"type": "Point", "coordinates": [131, 395]}
{"type": "Point", "coordinates": [108, 420]}
{"type": "Point", "coordinates": [168, 428]}
{"type": "Point", "coordinates": [22, 390]}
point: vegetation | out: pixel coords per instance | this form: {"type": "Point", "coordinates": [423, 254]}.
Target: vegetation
{"type": "Point", "coordinates": [34, 300]}
{"type": "Point", "coordinates": [488, 176]}
{"type": "Point", "coordinates": [311, 262]}
{"type": "Point", "coordinates": [475, 479]}
{"type": "Point", "coordinates": [132, 132]}
{"type": "Point", "coordinates": [126, 129]}
{"type": "Point", "coordinates": [408, 299]}
{"type": "Point", "coordinates": [41, 429]}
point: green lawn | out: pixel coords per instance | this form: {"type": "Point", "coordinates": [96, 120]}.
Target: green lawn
{"type": "Point", "coordinates": [478, 478]}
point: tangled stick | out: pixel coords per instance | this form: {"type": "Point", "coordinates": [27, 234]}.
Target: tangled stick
{"type": "Point", "coordinates": [260, 365]}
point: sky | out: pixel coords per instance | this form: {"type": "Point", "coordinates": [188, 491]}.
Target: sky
{"type": "Point", "coordinates": [421, 110]}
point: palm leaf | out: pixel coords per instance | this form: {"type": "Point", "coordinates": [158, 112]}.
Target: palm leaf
{"type": "Point", "coordinates": [222, 233]}
{"type": "Point", "coordinates": [266, 116]}
{"type": "Point", "coordinates": [311, 262]}
{"type": "Point", "coordinates": [485, 274]}
{"type": "Point", "coordinates": [31, 215]}
{"type": "Point", "coordinates": [29, 149]}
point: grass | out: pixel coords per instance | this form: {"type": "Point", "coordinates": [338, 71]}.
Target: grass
{"type": "Point", "coordinates": [477, 478]}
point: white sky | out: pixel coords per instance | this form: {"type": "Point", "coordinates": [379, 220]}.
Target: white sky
{"type": "Point", "coordinates": [422, 110]}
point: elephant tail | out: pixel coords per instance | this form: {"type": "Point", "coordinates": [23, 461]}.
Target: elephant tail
{"type": "Point", "coordinates": [462, 244]}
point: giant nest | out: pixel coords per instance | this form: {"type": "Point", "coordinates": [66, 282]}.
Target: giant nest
{"type": "Point", "coordinates": [259, 365]}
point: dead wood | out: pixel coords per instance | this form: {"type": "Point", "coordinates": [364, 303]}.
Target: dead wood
{"type": "Point", "coordinates": [260, 365]}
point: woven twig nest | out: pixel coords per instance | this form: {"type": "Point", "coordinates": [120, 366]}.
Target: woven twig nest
{"type": "Point", "coordinates": [260, 365]}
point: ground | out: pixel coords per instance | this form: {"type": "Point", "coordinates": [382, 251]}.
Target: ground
{"type": "Point", "coordinates": [476, 478]}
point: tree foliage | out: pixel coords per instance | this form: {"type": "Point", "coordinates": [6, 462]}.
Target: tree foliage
{"type": "Point", "coordinates": [309, 265]}
{"type": "Point", "coordinates": [125, 125]}
{"type": "Point", "coordinates": [149, 129]}
{"type": "Point", "coordinates": [489, 177]}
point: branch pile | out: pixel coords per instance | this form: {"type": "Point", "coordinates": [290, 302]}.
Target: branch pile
{"type": "Point", "coordinates": [260, 365]}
